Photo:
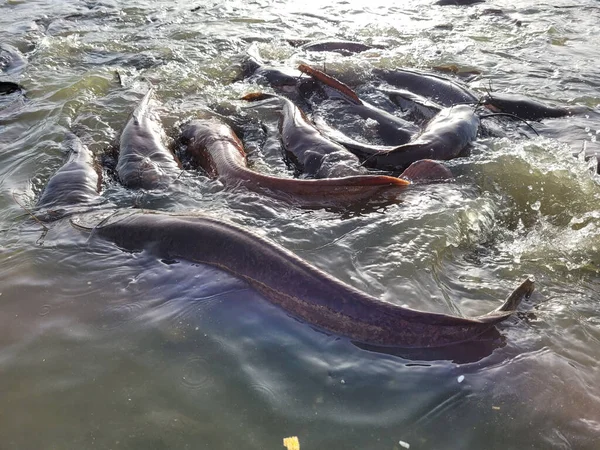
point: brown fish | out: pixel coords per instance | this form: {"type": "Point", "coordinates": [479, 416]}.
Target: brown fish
{"type": "Point", "coordinates": [214, 146]}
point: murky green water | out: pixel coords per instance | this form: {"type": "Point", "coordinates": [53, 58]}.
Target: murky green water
{"type": "Point", "coordinates": [103, 349]}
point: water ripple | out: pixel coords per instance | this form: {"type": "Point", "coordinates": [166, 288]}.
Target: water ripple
{"type": "Point", "coordinates": [194, 373]}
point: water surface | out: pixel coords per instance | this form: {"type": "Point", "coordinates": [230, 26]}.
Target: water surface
{"type": "Point", "coordinates": [105, 349]}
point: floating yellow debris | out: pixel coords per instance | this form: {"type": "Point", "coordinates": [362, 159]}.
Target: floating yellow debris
{"type": "Point", "coordinates": [291, 443]}
{"type": "Point", "coordinates": [496, 408]}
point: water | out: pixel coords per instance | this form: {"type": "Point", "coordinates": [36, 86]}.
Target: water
{"type": "Point", "coordinates": [105, 349]}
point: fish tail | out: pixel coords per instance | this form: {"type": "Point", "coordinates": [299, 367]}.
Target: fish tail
{"type": "Point", "coordinates": [510, 305]}
{"type": "Point", "coordinates": [257, 96]}
{"type": "Point", "coordinates": [523, 291]}
{"type": "Point", "coordinates": [331, 82]}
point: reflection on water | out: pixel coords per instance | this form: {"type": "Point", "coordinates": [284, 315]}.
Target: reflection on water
{"type": "Point", "coordinates": [105, 349]}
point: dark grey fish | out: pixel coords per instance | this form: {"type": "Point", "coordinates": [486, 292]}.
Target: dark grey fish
{"type": "Point", "coordinates": [444, 91]}
{"type": "Point", "coordinates": [75, 184]}
{"type": "Point", "coordinates": [144, 160]}
{"type": "Point", "coordinates": [528, 108]}
{"type": "Point", "coordinates": [392, 129]}
{"type": "Point", "coordinates": [458, 2]}
{"type": "Point", "coordinates": [337, 46]}
{"type": "Point", "coordinates": [446, 136]}
{"type": "Point", "coordinates": [311, 152]}
{"type": "Point", "coordinates": [296, 286]}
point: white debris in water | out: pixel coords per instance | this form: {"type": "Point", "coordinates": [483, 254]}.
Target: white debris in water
{"type": "Point", "coordinates": [461, 378]}
{"type": "Point", "coordinates": [371, 123]}
{"type": "Point", "coordinates": [404, 444]}
{"type": "Point", "coordinates": [536, 205]}
{"type": "Point", "coordinates": [343, 381]}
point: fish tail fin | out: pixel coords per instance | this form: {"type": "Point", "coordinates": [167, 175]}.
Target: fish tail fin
{"type": "Point", "coordinates": [514, 300]}
{"type": "Point", "coordinates": [257, 96]}
{"type": "Point", "coordinates": [331, 82]}
{"type": "Point", "coordinates": [510, 305]}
